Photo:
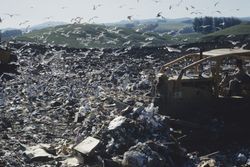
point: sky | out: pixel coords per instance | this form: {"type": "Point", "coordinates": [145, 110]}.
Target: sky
{"type": "Point", "coordinates": [25, 13]}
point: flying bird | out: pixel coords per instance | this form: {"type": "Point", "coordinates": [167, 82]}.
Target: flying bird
{"type": "Point", "coordinates": [121, 6]}
{"type": "Point", "coordinates": [27, 28]}
{"type": "Point", "coordinates": [26, 21]}
{"type": "Point", "coordinates": [1, 20]}
{"type": "Point", "coordinates": [192, 7]}
{"type": "Point", "coordinates": [216, 4]}
{"type": "Point", "coordinates": [234, 42]}
{"type": "Point", "coordinates": [179, 3]}
{"type": "Point", "coordinates": [205, 26]}
{"type": "Point", "coordinates": [160, 15]}
{"type": "Point", "coordinates": [218, 11]}
{"type": "Point", "coordinates": [47, 18]}
{"type": "Point", "coordinates": [11, 15]}
{"type": "Point", "coordinates": [77, 20]}
{"type": "Point", "coordinates": [222, 23]}
{"type": "Point", "coordinates": [170, 49]}
{"type": "Point", "coordinates": [96, 6]}
{"type": "Point", "coordinates": [170, 7]}
{"type": "Point", "coordinates": [186, 8]}
{"type": "Point", "coordinates": [156, 1]}
{"type": "Point", "coordinates": [92, 18]}
{"type": "Point", "coordinates": [129, 17]}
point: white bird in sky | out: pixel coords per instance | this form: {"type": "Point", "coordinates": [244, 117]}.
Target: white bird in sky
{"type": "Point", "coordinates": [11, 15]}
{"type": "Point", "coordinates": [96, 6]}
{"type": "Point", "coordinates": [129, 17]}
{"type": "Point", "coordinates": [216, 3]}
{"type": "Point", "coordinates": [24, 22]}
{"type": "Point", "coordinates": [92, 18]}
{"type": "Point", "coordinates": [160, 15]}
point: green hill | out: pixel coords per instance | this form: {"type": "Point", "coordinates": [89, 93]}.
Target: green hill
{"type": "Point", "coordinates": [93, 36]}
{"type": "Point", "coordinates": [238, 30]}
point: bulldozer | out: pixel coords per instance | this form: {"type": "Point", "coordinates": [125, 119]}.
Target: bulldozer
{"type": "Point", "coordinates": [190, 89]}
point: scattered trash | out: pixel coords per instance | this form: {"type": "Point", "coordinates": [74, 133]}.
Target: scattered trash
{"type": "Point", "coordinates": [87, 145]}
{"type": "Point", "coordinates": [93, 107]}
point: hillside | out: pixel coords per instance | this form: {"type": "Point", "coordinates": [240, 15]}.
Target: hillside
{"type": "Point", "coordinates": [92, 36]}
{"type": "Point", "coordinates": [242, 31]}
{"type": "Point", "coordinates": [157, 25]}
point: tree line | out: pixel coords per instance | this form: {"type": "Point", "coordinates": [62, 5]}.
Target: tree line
{"type": "Point", "coordinates": [211, 24]}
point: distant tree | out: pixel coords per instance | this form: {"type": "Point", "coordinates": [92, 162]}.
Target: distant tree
{"type": "Point", "coordinates": [197, 23]}
{"type": "Point", "coordinates": [211, 24]}
{"type": "Point", "coordinates": [207, 26]}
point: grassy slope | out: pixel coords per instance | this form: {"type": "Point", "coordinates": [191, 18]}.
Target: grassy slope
{"type": "Point", "coordinates": [242, 29]}
{"type": "Point", "coordinates": [92, 36]}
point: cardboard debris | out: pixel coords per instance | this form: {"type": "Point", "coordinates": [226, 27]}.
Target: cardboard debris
{"type": "Point", "coordinates": [87, 145]}
{"type": "Point", "coordinates": [118, 121]}
{"type": "Point", "coordinates": [37, 153]}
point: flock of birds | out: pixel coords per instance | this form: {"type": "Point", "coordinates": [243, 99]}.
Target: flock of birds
{"type": "Point", "coordinates": [192, 9]}
{"type": "Point", "coordinates": [78, 19]}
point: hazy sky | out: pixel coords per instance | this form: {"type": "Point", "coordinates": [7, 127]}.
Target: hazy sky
{"type": "Point", "coordinates": [30, 12]}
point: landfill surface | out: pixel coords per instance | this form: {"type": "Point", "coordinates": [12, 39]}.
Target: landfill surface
{"type": "Point", "coordinates": [95, 108]}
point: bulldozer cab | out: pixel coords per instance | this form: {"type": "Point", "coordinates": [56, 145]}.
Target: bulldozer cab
{"type": "Point", "coordinates": [193, 81]}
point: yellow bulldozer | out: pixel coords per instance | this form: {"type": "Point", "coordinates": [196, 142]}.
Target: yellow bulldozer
{"type": "Point", "coordinates": [190, 87]}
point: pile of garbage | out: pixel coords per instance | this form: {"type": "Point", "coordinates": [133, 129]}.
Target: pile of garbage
{"type": "Point", "coordinates": [89, 107]}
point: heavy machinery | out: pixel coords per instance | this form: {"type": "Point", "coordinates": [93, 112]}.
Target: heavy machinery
{"type": "Point", "coordinates": [190, 87]}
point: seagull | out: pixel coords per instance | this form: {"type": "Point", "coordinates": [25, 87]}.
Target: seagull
{"type": "Point", "coordinates": [11, 15]}
{"type": "Point", "coordinates": [121, 6]}
{"type": "Point", "coordinates": [216, 3]}
{"type": "Point", "coordinates": [179, 3]}
{"type": "Point", "coordinates": [159, 15]}
{"type": "Point", "coordinates": [195, 13]}
{"type": "Point", "coordinates": [218, 28]}
{"type": "Point", "coordinates": [193, 49]}
{"type": "Point", "coordinates": [129, 17]}
{"type": "Point", "coordinates": [96, 6]}
{"type": "Point", "coordinates": [192, 7]}
{"type": "Point", "coordinates": [47, 18]}
{"type": "Point", "coordinates": [205, 26]}
{"type": "Point", "coordinates": [170, 49]}
{"type": "Point", "coordinates": [92, 18]}
{"type": "Point", "coordinates": [27, 28]}
{"type": "Point", "coordinates": [77, 20]}
{"type": "Point", "coordinates": [234, 42]}
{"type": "Point", "coordinates": [218, 11]}
{"type": "Point", "coordinates": [156, 1]}
{"type": "Point", "coordinates": [243, 46]}
{"type": "Point", "coordinates": [26, 21]}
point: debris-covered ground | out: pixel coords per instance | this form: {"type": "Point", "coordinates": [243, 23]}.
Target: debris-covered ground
{"type": "Point", "coordinates": [91, 107]}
